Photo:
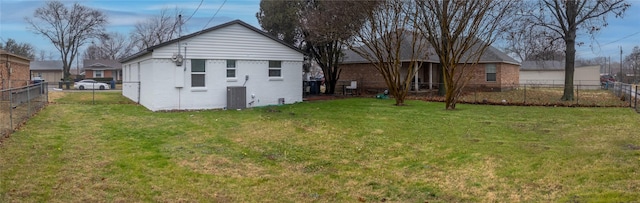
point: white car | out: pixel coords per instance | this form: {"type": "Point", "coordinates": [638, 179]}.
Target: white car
{"type": "Point", "coordinates": [90, 84]}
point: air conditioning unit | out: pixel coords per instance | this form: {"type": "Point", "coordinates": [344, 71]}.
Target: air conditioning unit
{"type": "Point", "coordinates": [236, 97]}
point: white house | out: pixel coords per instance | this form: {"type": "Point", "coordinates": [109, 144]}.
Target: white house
{"type": "Point", "coordinates": [233, 65]}
{"type": "Point", "coordinates": [552, 73]}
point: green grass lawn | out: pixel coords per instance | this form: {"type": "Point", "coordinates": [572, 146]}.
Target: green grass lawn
{"type": "Point", "coordinates": [347, 150]}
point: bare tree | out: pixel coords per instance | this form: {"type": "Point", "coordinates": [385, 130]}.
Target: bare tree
{"type": "Point", "coordinates": [281, 19]}
{"type": "Point", "coordinates": [460, 32]}
{"type": "Point", "coordinates": [111, 46]}
{"type": "Point", "coordinates": [45, 55]}
{"type": "Point", "coordinates": [157, 29]}
{"type": "Point", "coordinates": [67, 28]}
{"type": "Point", "coordinates": [563, 18]}
{"type": "Point", "coordinates": [633, 63]}
{"type": "Point", "coordinates": [22, 49]}
{"type": "Point", "coordinates": [326, 25]}
{"type": "Point", "coordinates": [388, 40]}
{"type": "Point", "coordinates": [528, 44]}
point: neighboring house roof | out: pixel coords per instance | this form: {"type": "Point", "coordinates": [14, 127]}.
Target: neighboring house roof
{"type": "Point", "coordinates": [51, 65]}
{"type": "Point", "coordinates": [542, 66]}
{"type": "Point", "coordinates": [490, 55]}
{"type": "Point", "coordinates": [102, 64]}
{"type": "Point", "coordinates": [239, 22]}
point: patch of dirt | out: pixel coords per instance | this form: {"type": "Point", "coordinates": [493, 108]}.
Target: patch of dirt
{"type": "Point", "coordinates": [632, 147]}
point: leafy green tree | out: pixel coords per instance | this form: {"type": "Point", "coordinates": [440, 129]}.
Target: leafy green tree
{"type": "Point", "coordinates": [326, 27]}
{"type": "Point", "coordinates": [319, 28]}
{"type": "Point", "coordinates": [281, 19]}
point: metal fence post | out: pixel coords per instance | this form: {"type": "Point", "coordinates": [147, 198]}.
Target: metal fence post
{"type": "Point", "coordinates": [630, 89]}
{"type": "Point", "coordinates": [577, 94]}
{"type": "Point", "coordinates": [636, 99]}
{"type": "Point", "coordinates": [10, 106]}
{"type": "Point", "coordinates": [525, 94]}
{"type": "Point", "coordinates": [29, 100]}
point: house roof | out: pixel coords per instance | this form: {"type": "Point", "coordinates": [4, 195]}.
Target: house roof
{"type": "Point", "coordinates": [101, 64]}
{"type": "Point", "coordinates": [3, 52]}
{"type": "Point", "coordinates": [542, 65]}
{"type": "Point", "coordinates": [238, 22]}
{"type": "Point", "coordinates": [490, 55]}
{"type": "Point", "coordinates": [46, 65]}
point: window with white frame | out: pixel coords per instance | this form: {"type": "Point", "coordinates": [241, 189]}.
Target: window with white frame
{"type": "Point", "coordinates": [98, 73]}
{"type": "Point", "coordinates": [231, 68]}
{"type": "Point", "coordinates": [198, 72]}
{"type": "Point", "coordinates": [490, 72]}
{"type": "Point", "coordinates": [275, 68]}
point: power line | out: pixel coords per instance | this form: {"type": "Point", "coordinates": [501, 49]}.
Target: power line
{"type": "Point", "coordinates": [194, 12]}
{"type": "Point", "coordinates": [214, 15]}
{"type": "Point", "coordinates": [614, 41]}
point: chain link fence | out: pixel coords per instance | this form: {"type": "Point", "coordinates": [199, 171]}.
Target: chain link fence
{"type": "Point", "coordinates": [18, 103]}
{"type": "Point", "coordinates": [530, 95]}
{"type": "Point", "coordinates": [626, 92]}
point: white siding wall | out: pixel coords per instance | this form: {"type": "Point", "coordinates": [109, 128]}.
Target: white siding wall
{"type": "Point", "coordinates": [266, 90]}
{"type": "Point", "coordinates": [131, 74]}
{"type": "Point", "coordinates": [231, 42]}
{"type": "Point", "coordinates": [541, 77]}
{"type": "Point", "coordinates": [587, 75]}
{"type": "Point", "coordinates": [160, 89]}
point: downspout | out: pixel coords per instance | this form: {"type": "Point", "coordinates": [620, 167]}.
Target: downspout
{"type": "Point", "coordinates": [139, 82]}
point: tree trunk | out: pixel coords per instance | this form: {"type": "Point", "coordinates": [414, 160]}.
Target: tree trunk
{"type": "Point", "coordinates": [569, 67]}
{"type": "Point", "coordinates": [330, 85]}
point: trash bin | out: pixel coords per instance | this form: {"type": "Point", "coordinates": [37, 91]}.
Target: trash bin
{"type": "Point", "coordinates": [113, 84]}
{"type": "Point", "coordinates": [314, 87]}
{"type": "Point", "coordinates": [67, 84]}
{"type": "Point", "coordinates": [60, 84]}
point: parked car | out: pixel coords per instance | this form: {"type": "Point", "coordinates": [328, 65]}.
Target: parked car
{"type": "Point", "coordinates": [604, 79]}
{"type": "Point", "coordinates": [90, 84]}
{"type": "Point", "coordinates": [36, 80]}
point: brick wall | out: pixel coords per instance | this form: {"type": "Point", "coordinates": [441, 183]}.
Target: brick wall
{"type": "Point", "coordinates": [368, 77]}
{"type": "Point", "coordinates": [105, 74]}
{"type": "Point", "coordinates": [507, 76]}
{"type": "Point", "coordinates": [20, 75]}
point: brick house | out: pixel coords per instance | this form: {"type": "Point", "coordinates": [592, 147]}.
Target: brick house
{"type": "Point", "coordinates": [496, 71]}
{"type": "Point", "coordinates": [14, 70]}
{"type": "Point", "coordinates": [102, 68]}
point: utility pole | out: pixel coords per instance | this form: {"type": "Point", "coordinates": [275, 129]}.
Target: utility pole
{"type": "Point", "coordinates": [621, 68]}
{"type": "Point", "coordinates": [609, 64]}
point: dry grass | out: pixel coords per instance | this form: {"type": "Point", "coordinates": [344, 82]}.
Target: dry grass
{"type": "Point", "coordinates": [350, 150]}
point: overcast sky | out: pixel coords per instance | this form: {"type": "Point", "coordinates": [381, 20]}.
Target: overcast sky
{"type": "Point", "coordinates": [123, 14]}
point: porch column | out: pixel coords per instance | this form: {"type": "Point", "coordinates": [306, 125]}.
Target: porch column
{"type": "Point", "coordinates": [415, 77]}
{"type": "Point", "coordinates": [430, 76]}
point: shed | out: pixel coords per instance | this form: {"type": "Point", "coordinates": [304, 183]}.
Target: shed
{"type": "Point", "coordinates": [233, 65]}
{"type": "Point", "coordinates": [552, 73]}
{"type": "Point", "coordinates": [49, 71]}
